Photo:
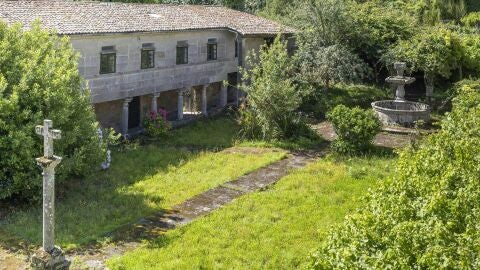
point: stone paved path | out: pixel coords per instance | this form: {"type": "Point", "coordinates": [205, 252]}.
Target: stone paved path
{"type": "Point", "coordinates": [130, 237]}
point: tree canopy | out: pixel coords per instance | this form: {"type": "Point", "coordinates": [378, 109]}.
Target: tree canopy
{"type": "Point", "coordinates": [39, 80]}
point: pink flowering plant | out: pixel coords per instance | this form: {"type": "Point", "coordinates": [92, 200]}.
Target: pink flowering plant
{"type": "Point", "coordinates": [156, 124]}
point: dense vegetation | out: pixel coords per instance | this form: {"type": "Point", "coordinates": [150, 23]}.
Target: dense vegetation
{"type": "Point", "coordinates": [427, 215]}
{"type": "Point", "coordinates": [39, 80]}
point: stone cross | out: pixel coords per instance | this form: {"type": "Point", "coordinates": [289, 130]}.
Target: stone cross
{"type": "Point", "coordinates": [48, 163]}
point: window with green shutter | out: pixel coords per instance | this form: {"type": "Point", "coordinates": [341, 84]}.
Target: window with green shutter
{"type": "Point", "coordinates": [108, 60]}
{"type": "Point", "coordinates": [182, 52]}
{"type": "Point", "coordinates": [212, 49]}
{"type": "Point", "coordinates": [147, 56]}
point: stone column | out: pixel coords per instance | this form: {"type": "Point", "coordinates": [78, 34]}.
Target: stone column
{"type": "Point", "coordinates": [223, 96]}
{"type": "Point", "coordinates": [125, 116]}
{"type": "Point", "coordinates": [204, 100]}
{"type": "Point", "coordinates": [180, 104]}
{"type": "Point", "coordinates": [154, 107]}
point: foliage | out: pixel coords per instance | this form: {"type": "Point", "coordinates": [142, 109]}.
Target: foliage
{"type": "Point", "coordinates": [156, 124]}
{"type": "Point", "coordinates": [427, 216]}
{"type": "Point", "coordinates": [272, 99]}
{"type": "Point", "coordinates": [321, 56]}
{"type": "Point", "coordinates": [435, 51]}
{"type": "Point", "coordinates": [275, 229]}
{"type": "Point", "coordinates": [39, 80]}
{"type": "Point", "coordinates": [356, 128]}
{"type": "Point", "coordinates": [473, 5]}
{"type": "Point", "coordinates": [331, 64]}
{"type": "Point", "coordinates": [472, 20]}
{"type": "Point", "coordinates": [471, 53]}
{"type": "Point", "coordinates": [374, 27]}
{"type": "Point", "coordinates": [318, 103]}
{"type": "Point", "coordinates": [435, 11]}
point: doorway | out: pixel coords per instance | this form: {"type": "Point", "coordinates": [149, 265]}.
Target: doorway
{"type": "Point", "coordinates": [134, 113]}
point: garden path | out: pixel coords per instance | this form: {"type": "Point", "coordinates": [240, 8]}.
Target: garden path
{"type": "Point", "coordinates": [131, 236]}
{"type": "Point", "coordinates": [383, 139]}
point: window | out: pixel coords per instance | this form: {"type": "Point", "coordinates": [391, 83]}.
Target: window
{"type": "Point", "coordinates": [212, 49]}
{"type": "Point", "coordinates": [108, 60]}
{"type": "Point", "coordinates": [148, 56]}
{"type": "Point", "coordinates": [269, 41]}
{"type": "Point", "coordinates": [236, 48]}
{"type": "Point", "coordinates": [182, 52]}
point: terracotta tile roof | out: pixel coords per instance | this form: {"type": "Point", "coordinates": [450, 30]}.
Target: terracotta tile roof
{"type": "Point", "coordinates": [75, 17]}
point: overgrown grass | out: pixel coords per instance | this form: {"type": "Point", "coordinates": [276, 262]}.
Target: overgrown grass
{"type": "Point", "coordinates": [274, 229]}
{"type": "Point", "coordinates": [142, 181]}
{"type": "Point", "coordinates": [221, 132]}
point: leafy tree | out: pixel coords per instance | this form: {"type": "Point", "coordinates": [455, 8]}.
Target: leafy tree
{"type": "Point", "coordinates": [330, 64]}
{"type": "Point", "coordinates": [321, 56]}
{"type": "Point", "coordinates": [39, 79]}
{"type": "Point", "coordinates": [272, 97]}
{"type": "Point", "coordinates": [374, 28]}
{"type": "Point", "coordinates": [436, 51]}
{"type": "Point", "coordinates": [426, 217]}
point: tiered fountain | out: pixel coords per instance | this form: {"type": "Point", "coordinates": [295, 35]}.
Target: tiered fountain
{"type": "Point", "coordinates": [399, 111]}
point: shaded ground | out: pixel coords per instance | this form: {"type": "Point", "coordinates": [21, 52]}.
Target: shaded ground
{"type": "Point", "coordinates": [383, 139]}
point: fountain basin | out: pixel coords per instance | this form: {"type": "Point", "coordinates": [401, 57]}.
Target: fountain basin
{"type": "Point", "coordinates": [404, 113]}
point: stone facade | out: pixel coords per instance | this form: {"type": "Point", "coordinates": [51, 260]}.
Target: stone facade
{"type": "Point", "coordinates": [118, 33]}
{"type": "Point", "coordinates": [166, 78]}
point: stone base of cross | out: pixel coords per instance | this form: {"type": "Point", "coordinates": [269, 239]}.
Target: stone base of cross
{"type": "Point", "coordinates": [53, 260]}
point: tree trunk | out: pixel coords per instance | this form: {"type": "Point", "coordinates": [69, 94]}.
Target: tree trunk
{"type": "Point", "coordinates": [429, 84]}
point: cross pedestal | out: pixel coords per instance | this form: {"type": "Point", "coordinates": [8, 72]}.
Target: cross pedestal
{"type": "Point", "coordinates": [49, 256]}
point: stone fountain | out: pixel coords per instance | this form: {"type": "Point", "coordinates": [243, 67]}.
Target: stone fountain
{"type": "Point", "coordinates": [399, 111]}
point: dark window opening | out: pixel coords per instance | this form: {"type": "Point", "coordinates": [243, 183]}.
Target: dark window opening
{"type": "Point", "coordinates": [147, 56]}
{"type": "Point", "coordinates": [108, 60]}
{"type": "Point", "coordinates": [212, 49]}
{"type": "Point", "coordinates": [182, 52]}
{"type": "Point", "coordinates": [236, 48]}
{"type": "Point", "coordinates": [134, 113]}
{"type": "Point", "coordinates": [269, 41]}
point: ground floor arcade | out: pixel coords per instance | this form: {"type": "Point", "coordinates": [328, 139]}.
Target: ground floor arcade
{"type": "Point", "coordinates": [181, 105]}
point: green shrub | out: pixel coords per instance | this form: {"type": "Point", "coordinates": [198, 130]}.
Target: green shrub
{"type": "Point", "coordinates": [427, 216]}
{"type": "Point", "coordinates": [270, 111]}
{"type": "Point", "coordinates": [355, 128]}
{"type": "Point", "coordinates": [39, 79]}
{"type": "Point", "coordinates": [472, 19]}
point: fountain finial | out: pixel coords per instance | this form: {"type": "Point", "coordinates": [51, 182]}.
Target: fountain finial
{"type": "Point", "coordinates": [400, 67]}
{"type": "Point", "coordinates": [400, 80]}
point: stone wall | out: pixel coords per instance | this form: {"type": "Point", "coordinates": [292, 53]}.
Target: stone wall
{"type": "Point", "coordinates": [130, 80]}
{"type": "Point", "coordinates": [109, 114]}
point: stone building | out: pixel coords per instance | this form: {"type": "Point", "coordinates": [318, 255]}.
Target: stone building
{"type": "Point", "coordinates": [142, 57]}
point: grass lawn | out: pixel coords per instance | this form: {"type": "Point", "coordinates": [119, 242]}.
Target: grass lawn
{"type": "Point", "coordinates": [141, 181]}
{"type": "Point", "coordinates": [273, 229]}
